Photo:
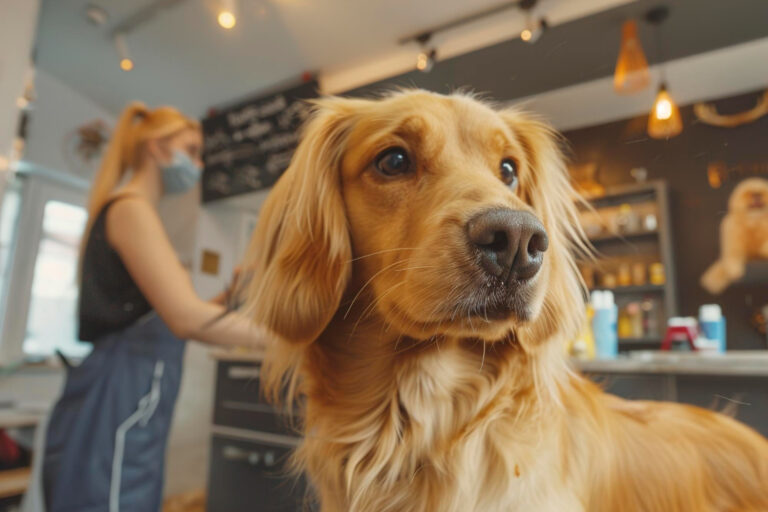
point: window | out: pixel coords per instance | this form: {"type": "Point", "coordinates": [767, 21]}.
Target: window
{"type": "Point", "coordinates": [52, 318]}
{"type": "Point", "coordinates": [9, 214]}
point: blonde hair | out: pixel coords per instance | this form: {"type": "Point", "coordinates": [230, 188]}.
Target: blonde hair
{"type": "Point", "coordinates": [136, 125]}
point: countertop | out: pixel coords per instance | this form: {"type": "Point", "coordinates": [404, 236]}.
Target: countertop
{"type": "Point", "coordinates": [736, 362]}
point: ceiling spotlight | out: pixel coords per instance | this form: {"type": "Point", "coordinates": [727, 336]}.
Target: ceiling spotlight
{"type": "Point", "coordinates": [226, 16]}
{"type": "Point", "coordinates": [227, 19]}
{"type": "Point", "coordinates": [427, 57]}
{"type": "Point", "coordinates": [533, 30]}
{"type": "Point", "coordinates": [425, 60]}
{"type": "Point", "coordinates": [126, 63]}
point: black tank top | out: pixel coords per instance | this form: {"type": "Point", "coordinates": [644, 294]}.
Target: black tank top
{"type": "Point", "coordinates": [109, 298]}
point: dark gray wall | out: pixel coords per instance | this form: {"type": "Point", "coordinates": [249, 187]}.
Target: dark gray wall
{"type": "Point", "coordinates": [696, 209]}
{"type": "Point", "coordinates": [587, 48]}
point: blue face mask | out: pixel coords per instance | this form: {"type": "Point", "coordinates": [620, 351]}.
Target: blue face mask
{"type": "Point", "coordinates": [181, 174]}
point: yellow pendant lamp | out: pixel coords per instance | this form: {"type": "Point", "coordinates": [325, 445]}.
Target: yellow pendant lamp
{"type": "Point", "coordinates": [664, 120]}
{"type": "Point", "coordinates": [631, 74]}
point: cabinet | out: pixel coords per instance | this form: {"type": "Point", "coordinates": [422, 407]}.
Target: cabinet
{"type": "Point", "coordinates": [746, 397]}
{"type": "Point", "coordinates": [250, 448]}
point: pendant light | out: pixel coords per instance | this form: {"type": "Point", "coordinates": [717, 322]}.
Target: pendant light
{"type": "Point", "coordinates": [631, 74]}
{"type": "Point", "coordinates": [664, 120]}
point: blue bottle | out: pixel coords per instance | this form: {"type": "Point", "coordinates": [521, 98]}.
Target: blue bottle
{"type": "Point", "coordinates": [712, 325]}
{"type": "Point", "coordinates": [604, 326]}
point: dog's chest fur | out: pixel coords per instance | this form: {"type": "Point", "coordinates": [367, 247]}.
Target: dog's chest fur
{"type": "Point", "coordinates": [458, 433]}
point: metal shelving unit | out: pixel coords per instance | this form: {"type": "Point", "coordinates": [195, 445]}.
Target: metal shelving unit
{"type": "Point", "coordinates": [656, 241]}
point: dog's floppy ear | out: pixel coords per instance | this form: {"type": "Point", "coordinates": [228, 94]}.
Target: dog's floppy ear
{"type": "Point", "coordinates": [299, 255]}
{"type": "Point", "coordinates": [548, 188]}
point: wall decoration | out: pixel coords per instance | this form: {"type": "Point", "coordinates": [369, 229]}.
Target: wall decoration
{"type": "Point", "coordinates": [707, 113]}
{"type": "Point", "coordinates": [209, 263]}
{"type": "Point", "coordinates": [743, 235]}
{"type": "Point", "coordinates": [584, 178]}
{"type": "Point", "coordinates": [248, 146]}
{"type": "Point", "coordinates": [718, 172]}
{"type": "Point", "coordinates": [83, 146]}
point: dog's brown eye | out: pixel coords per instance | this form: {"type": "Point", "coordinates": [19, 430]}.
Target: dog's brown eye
{"type": "Point", "coordinates": [393, 162]}
{"type": "Point", "coordinates": [509, 172]}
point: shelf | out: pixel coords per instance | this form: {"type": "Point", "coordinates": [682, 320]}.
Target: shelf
{"type": "Point", "coordinates": [13, 482]}
{"type": "Point", "coordinates": [629, 290]}
{"type": "Point", "coordinates": [623, 238]}
{"type": "Point", "coordinates": [641, 341]}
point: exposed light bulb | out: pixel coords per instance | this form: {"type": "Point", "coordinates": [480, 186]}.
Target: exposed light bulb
{"type": "Point", "coordinates": [663, 109]}
{"type": "Point", "coordinates": [526, 35]}
{"type": "Point", "coordinates": [664, 120]}
{"type": "Point", "coordinates": [126, 64]}
{"type": "Point", "coordinates": [425, 60]}
{"type": "Point", "coordinates": [227, 19]}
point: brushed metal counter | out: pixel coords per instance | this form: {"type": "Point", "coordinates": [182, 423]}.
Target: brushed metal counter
{"type": "Point", "coordinates": [734, 363]}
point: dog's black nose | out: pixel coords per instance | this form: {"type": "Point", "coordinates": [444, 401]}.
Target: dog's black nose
{"type": "Point", "coordinates": [511, 242]}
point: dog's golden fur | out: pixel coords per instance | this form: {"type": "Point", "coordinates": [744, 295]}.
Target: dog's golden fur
{"type": "Point", "coordinates": [743, 234]}
{"type": "Point", "coordinates": [413, 399]}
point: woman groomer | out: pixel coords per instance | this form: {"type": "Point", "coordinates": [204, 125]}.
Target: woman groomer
{"type": "Point", "coordinates": [105, 446]}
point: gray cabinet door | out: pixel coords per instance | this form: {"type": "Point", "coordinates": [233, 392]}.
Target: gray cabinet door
{"type": "Point", "coordinates": [634, 387]}
{"type": "Point", "coordinates": [747, 395]}
{"type": "Point", "coordinates": [247, 476]}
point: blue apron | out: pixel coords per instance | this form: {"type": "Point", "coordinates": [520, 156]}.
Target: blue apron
{"type": "Point", "coordinates": [106, 440]}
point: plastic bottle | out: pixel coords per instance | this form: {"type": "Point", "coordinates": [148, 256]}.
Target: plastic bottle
{"type": "Point", "coordinates": [604, 324]}
{"type": "Point", "coordinates": [712, 324]}
{"type": "Point", "coordinates": [583, 346]}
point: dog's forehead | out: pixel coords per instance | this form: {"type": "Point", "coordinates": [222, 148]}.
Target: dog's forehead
{"type": "Point", "coordinates": [424, 113]}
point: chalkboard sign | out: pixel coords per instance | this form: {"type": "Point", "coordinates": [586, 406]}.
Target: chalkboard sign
{"type": "Point", "coordinates": [247, 147]}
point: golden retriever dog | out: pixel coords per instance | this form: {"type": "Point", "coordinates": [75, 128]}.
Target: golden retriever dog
{"type": "Point", "coordinates": [417, 261]}
{"type": "Point", "coordinates": [743, 234]}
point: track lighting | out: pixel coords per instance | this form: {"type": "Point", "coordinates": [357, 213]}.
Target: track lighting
{"type": "Point", "coordinates": [126, 63]}
{"type": "Point", "coordinates": [533, 30]}
{"type": "Point", "coordinates": [533, 27]}
{"type": "Point", "coordinates": [427, 57]}
{"type": "Point", "coordinates": [226, 16]}
{"type": "Point", "coordinates": [425, 60]}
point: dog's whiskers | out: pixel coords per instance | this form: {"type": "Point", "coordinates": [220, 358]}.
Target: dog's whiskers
{"type": "Point", "coordinates": [369, 282]}
{"type": "Point", "coordinates": [382, 252]}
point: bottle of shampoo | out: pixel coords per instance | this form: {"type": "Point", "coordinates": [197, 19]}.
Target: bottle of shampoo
{"type": "Point", "coordinates": [604, 324]}
{"type": "Point", "coordinates": [712, 325]}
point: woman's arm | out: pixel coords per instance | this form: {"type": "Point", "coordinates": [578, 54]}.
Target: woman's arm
{"type": "Point", "coordinates": [136, 233]}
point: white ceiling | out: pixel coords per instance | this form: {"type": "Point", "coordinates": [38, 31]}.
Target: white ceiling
{"type": "Point", "coordinates": [184, 58]}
